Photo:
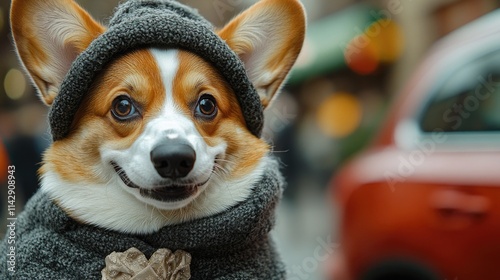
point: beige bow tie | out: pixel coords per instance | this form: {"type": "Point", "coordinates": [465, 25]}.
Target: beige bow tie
{"type": "Point", "coordinates": [133, 265]}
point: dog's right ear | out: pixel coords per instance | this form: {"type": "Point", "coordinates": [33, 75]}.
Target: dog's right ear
{"type": "Point", "coordinates": [268, 38]}
{"type": "Point", "coordinates": [49, 35]}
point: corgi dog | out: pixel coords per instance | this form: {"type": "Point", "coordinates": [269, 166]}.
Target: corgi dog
{"type": "Point", "coordinates": [161, 139]}
{"type": "Point", "coordinates": [160, 146]}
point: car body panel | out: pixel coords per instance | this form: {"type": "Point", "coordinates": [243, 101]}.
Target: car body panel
{"type": "Point", "coordinates": [432, 198]}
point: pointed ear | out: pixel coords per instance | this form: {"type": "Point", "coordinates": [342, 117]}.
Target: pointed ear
{"type": "Point", "coordinates": [49, 35]}
{"type": "Point", "coordinates": [268, 38]}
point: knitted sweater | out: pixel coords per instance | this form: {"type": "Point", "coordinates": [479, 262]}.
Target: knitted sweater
{"type": "Point", "coordinates": [234, 244]}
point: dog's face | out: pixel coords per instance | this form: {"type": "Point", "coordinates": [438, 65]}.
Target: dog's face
{"type": "Point", "coordinates": [160, 138]}
{"type": "Point", "coordinates": [165, 125]}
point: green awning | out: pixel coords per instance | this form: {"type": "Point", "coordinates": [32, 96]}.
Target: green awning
{"type": "Point", "coordinates": [327, 38]}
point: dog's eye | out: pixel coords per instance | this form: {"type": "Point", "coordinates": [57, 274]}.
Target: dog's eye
{"type": "Point", "coordinates": [123, 108]}
{"type": "Point", "coordinates": [207, 106]}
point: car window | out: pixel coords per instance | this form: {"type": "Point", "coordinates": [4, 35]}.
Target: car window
{"type": "Point", "coordinates": [468, 100]}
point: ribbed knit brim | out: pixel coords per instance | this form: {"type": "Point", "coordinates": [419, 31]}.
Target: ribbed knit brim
{"type": "Point", "coordinates": [153, 23]}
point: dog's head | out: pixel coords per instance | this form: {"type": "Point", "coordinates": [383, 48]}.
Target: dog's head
{"type": "Point", "coordinates": [160, 136]}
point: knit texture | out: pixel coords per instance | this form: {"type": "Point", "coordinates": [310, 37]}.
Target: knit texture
{"type": "Point", "coordinates": [153, 23]}
{"type": "Point", "coordinates": [234, 244]}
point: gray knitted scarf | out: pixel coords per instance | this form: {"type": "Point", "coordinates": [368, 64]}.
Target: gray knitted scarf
{"type": "Point", "coordinates": [153, 23]}
{"type": "Point", "coordinates": [234, 244]}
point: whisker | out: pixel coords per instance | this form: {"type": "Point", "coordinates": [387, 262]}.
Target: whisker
{"type": "Point", "coordinates": [276, 151]}
{"type": "Point", "coordinates": [222, 168]}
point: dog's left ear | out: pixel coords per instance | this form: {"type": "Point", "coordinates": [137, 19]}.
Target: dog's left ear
{"type": "Point", "coordinates": [49, 35]}
{"type": "Point", "coordinates": [268, 38]}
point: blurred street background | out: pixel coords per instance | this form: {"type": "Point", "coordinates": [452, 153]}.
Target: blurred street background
{"type": "Point", "coordinates": [357, 56]}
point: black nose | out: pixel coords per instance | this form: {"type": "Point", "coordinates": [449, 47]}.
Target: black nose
{"type": "Point", "coordinates": [173, 160]}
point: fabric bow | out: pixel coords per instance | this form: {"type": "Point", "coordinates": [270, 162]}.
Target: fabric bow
{"type": "Point", "coordinates": [133, 265]}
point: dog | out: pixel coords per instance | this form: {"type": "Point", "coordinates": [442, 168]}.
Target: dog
{"type": "Point", "coordinates": [157, 146]}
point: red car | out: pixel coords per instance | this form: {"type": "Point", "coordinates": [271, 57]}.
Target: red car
{"type": "Point", "coordinates": [423, 202]}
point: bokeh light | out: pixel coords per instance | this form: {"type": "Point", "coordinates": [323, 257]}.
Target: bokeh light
{"type": "Point", "coordinates": [361, 55]}
{"type": "Point", "coordinates": [390, 41]}
{"type": "Point", "coordinates": [14, 84]}
{"type": "Point", "coordinates": [339, 115]}
{"type": "Point", "coordinates": [381, 42]}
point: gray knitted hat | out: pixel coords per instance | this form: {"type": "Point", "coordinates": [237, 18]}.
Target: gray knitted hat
{"type": "Point", "coordinates": [153, 23]}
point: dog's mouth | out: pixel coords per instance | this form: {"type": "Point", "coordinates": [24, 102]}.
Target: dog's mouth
{"type": "Point", "coordinates": [168, 193]}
